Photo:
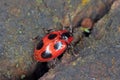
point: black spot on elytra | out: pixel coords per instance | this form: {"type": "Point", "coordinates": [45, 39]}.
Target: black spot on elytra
{"type": "Point", "coordinates": [56, 46]}
{"type": "Point", "coordinates": [52, 36]}
{"type": "Point", "coordinates": [46, 55]}
{"type": "Point", "coordinates": [40, 45]}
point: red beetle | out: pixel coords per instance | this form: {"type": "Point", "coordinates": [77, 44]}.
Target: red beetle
{"type": "Point", "coordinates": [52, 45]}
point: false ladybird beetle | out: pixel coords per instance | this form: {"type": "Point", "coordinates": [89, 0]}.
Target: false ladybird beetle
{"type": "Point", "coordinates": [52, 45]}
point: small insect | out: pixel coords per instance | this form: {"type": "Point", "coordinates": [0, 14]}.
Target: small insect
{"type": "Point", "coordinates": [52, 45]}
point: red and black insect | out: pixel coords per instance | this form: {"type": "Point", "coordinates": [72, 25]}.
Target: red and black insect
{"type": "Point", "coordinates": [52, 45]}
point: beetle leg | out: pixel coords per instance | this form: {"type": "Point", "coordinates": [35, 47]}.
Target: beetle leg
{"type": "Point", "coordinates": [71, 50]}
{"type": "Point", "coordinates": [46, 31]}
{"type": "Point", "coordinates": [37, 38]}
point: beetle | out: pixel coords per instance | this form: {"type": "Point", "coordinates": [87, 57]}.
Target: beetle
{"type": "Point", "coordinates": [52, 45]}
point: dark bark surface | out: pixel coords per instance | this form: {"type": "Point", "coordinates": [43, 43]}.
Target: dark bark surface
{"type": "Point", "coordinates": [99, 54]}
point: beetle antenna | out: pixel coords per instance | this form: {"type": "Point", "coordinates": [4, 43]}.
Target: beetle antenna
{"type": "Point", "coordinates": [71, 30]}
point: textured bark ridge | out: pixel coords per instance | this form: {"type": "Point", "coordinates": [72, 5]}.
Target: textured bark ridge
{"type": "Point", "coordinates": [101, 60]}
{"type": "Point", "coordinates": [94, 10]}
{"type": "Point", "coordinates": [22, 20]}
